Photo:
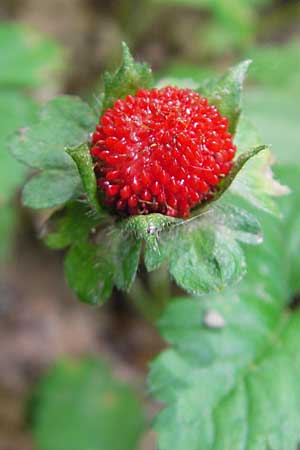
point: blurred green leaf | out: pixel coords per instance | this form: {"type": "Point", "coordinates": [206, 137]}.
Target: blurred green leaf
{"type": "Point", "coordinates": [276, 115]}
{"type": "Point", "coordinates": [15, 110]}
{"type": "Point", "coordinates": [78, 405]}
{"type": "Point", "coordinates": [183, 75]}
{"type": "Point", "coordinates": [27, 58]}
{"type": "Point", "coordinates": [276, 66]}
{"type": "Point", "coordinates": [218, 378]}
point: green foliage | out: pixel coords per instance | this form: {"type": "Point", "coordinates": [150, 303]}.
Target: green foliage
{"type": "Point", "coordinates": [64, 122]}
{"type": "Point", "coordinates": [127, 80]}
{"type": "Point", "coordinates": [276, 66]}
{"type": "Point", "coordinates": [27, 58]}
{"type": "Point", "coordinates": [231, 24]}
{"type": "Point", "coordinates": [78, 405]}
{"type": "Point", "coordinates": [231, 378]}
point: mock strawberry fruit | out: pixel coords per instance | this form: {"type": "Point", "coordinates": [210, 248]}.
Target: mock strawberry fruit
{"type": "Point", "coordinates": [162, 150]}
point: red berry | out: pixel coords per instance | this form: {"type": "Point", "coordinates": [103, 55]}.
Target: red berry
{"type": "Point", "coordinates": [162, 150]}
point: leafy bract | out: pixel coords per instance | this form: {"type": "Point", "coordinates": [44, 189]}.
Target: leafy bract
{"type": "Point", "coordinates": [64, 122]}
{"type": "Point", "coordinates": [232, 382]}
{"type": "Point", "coordinates": [90, 272]}
{"type": "Point", "coordinates": [130, 77]}
{"type": "Point", "coordinates": [82, 158]}
{"type": "Point", "coordinates": [79, 405]}
{"type": "Point", "coordinates": [203, 254]}
{"type": "Point", "coordinates": [225, 92]}
{"type": "Point", "coordinates": [74, 224]}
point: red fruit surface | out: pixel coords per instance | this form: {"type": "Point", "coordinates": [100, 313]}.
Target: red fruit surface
{"type": "Point", "coordinates": [162, 150]}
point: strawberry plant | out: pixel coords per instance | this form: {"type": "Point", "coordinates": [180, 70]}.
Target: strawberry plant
{"type": "Point", "coordinates": [149, 182]}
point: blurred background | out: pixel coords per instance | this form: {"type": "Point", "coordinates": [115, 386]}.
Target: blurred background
{"type": "Point", "coordinates": [48, 47]}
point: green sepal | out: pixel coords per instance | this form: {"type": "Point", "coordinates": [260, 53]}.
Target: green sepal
{"type": "Point", "coordinates": [83, 160]}
{"type": "Point", "coordinates": [144, 227]}
{"type": "Point", "coordinates": [130, 77]}
{"type": "Point", "coordinates": [126, 250]}
{"type": "Point", "coordinates": [63, 122]}
{"type": "Point", "coordinates": [237, 167]}
{"type": "Point", "coordinates": [71, 225]}
{"type": "Point", "coordinates": [225, 92]}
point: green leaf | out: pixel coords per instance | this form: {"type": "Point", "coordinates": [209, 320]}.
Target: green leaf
{"type": "Point", "coordinates": [202, 253]}
{"type": "Point", "coordinates": [231, 378]}
{"type": "Point", "coordinates": [155, 230]}
{"type": "Point", "coordinates": [79, 405]}
{"type": "Point", "coordinates": [71, 225]}
{"type": "Point", "coordinates": [90, 272]}
{"type": "Point", "coordinates": [49, 189]}
{"type": "Point", "coordinates": [126, 252]}
{"type": "Point", "coordinates": [225, 92]}
{"type": "Point", "coordinates": [82, 157]}
{"type": "Point", "coordinates": [130, 77]}
{"type": "Point", "coordinates": [64, 122]}
{"type": "Point", "coordinates": [27, 58]}
{"type": "Point", "coordinates": [203, 262]}
{"type": "Point", "coordinates": [207, 257]}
